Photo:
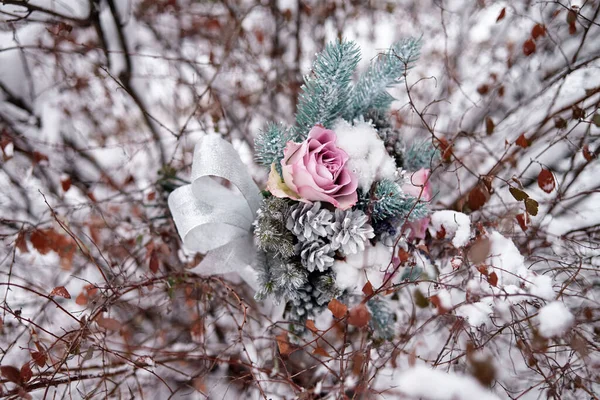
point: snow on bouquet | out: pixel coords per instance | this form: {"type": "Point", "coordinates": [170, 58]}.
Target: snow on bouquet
{"type": "Point", "coordinates": [343, 191]}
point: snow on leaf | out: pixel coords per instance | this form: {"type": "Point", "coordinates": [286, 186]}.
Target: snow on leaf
{"type": "Point", "coordinates": [546, 181]}
{"type": "Point", "coordinates": [60, 291]}
{"type": "Point", "coordinates": [554, 319]}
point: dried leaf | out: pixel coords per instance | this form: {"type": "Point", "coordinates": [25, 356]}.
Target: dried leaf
{"type": "Point", "coordinates": [357, 362]}
{"type": "Point", "coordinates": [11, 373]}
{"type": "Point", "coordinates": [521, 141]}
{"type": "Point", "coordinates": [437, 302]}
{"type": "Point", "coordinates": [587, 154]}
{"type": "Point", "coordinates": [420, 300]}
{"type": "Point", "coordinates": [60, 291]}
{"type": "Point", "coordinates": [578, 112]}
{"type": "Point", "coordinates": [283, 344]}
{"type": "Point", "coordinates": [337, 308]}
{"type": "Point", "coordinates": [154, 264]}
{"type": "Point", "coordinates": [518, 194]}
{"type": "Point", "coordinates": [21, 243]}
{"type": "Point", "coordinates": [596, 120]}
{"type": "Point", "coordinates": [489, 126]}
{"type": "Point", "coordinates": [523, 221]}
{"type": "Point", "coordinates": [359, 316]}
{"type": "Point", "coordinates": [478, 197]}
{"type": "Point", "coordinates": [493, 279]}
{"type": "Point", "coordinates": [501, 15]}
{"type": "Point", "coordinates": [367, 289]}
{"type": "Point", "coordinates": [81, 299]}
{"type": "Point", "coordinates": [319, 351]}
{"type": "Point", "coordinates": [310, 325]}
{"type": "Point", "coordinates": [538, 30]}
{"type": "Point", "coordinates": [39, 358]}
{"type": "Point", "coordinates": [480, 250]}
{"type": "Point", "coordinates": [546, 181]}
{"type": "Point", "coordinates": [531, 206]}
{"type": "Point", "coordinates": [529, 47]}
{"type": "Point", "coordinates": [26, 373]}
{"type": "Point", "coordinates": [110, 324]}
{"type": "Point", "coordinates": [40, 239]}
{"type": "Point", "coordinates": [560, 123]}
{"type": "Point", "coordinates": [66, 183]}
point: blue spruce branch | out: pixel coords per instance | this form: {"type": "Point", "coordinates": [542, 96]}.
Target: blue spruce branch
{"type": "Point", "coordinates": [420, 155]}
{"type": "Point", "coordinates": [270, 143]}
{"type": "Point", "coordinates": [384, 72]}
{"type": "Point", "coordinates": [389, 201]}
{"type": "Point", "coordinates": [326, 91]}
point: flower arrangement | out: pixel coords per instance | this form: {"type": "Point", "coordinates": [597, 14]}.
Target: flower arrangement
{"type": "Point", "coordinates": [343, 187]}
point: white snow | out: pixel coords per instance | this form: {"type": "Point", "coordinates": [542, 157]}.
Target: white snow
{"type": "Point", "coordinates": [554, 319]}
{"type": "Point", "coordinates": [353, 273]}
{"type": "Point", "coordinates": [506, 260]}
{"type": "Point", "coordinates": [542, 287]}
{"type": "Point", "coordinates": [368, 158]}
{"type": "Point", "coordinates": [455, 224]}
{"type": "Point", "coordinates": [424, 383]}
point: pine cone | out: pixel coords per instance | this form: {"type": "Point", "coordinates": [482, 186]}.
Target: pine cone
{"type": "Point", "coordinates": [350, 231]}
{"type": "Point", "coordinates": [308, 222]}
{"type": "Point", "coordinates": [316, 255]}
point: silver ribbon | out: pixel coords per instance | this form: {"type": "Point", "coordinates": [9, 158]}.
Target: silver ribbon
{"type": "Point", "coordinates": [214, 219]}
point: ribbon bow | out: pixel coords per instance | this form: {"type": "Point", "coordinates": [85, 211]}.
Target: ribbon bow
{"type": "Point", "coordinates": [214, 219]}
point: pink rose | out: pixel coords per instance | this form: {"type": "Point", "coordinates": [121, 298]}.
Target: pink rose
{"type": "Point", "coordinates": [315, 171]}
{"type": "Point", "coordinates": [415, 188]}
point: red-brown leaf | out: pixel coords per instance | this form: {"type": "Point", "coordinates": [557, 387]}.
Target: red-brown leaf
{"type": "Point", "coordinates": [66, 183]}
{"type": "Point", "coordinates": [477, 197]}
{"type": "Point", "coordinates": [26, 373]}
{"type": "Point", "coordinates": [283, 344]}
{"type": "Point", "coordinates": [21, 243]}
{"type": "Point", "coordinates": [489, 125]}
{"type": "Point", "coordinates": [523, 221]}
{"type": "Point", "coordinates": [81, 299]}
{"type": "Point", "coordinates": [60, 291]}
{"type": "Point", "coordinates": [367, 289]}
{"type": "Point", "coordinates": [493, 279]}
{"type": "Point", "coordinates": [435, 300]}
{"type": "Point", "coordinates": [39, 358]}
{"type": "Point", "coordinates": [319, 351]}
{"type": "Point", "coordinates": [587, 154]}
{"type": "Point", "coordinates": [546, 181]}
{"type": "Point", "coordinates": [11, 373]}
{"type": "Point", "coordinates": [521, 141]}
{"type": "Point", "coordinates": [359, 316]}
{"type": "Point", "coordinates": [110, 324]}
{"type": "Point", "coordinates": [154, 264]}
{"type": "Point", "coordinates": [310, 325]}
{"type": "Point", "coordinates": [538, 30]}
{"type": "Point", "coordinates": [501, 15]}
{"type": "Point", "coordinates": [337, 308]}
{"type": "Point", "coordinates": [529, 47]}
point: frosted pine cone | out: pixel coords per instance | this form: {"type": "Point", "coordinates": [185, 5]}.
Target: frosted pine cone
{"type": "Point", "coordinates": [350, 231]}
{"type": "Point", "coordinates": [316, 255]}
{"type": "Point", "coordinates": [308, 222]}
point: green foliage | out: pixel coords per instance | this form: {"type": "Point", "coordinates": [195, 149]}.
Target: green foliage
{"type": "Point", "coordinates": [420, 155]}
{"type": "Point", "coordinates": [388, 200]}
{"type": "Point", "coordinates": [270, 143]}
{"type": "Point", "coordinates": [326, 92]}
{"type": "Point", "coordinates": [385, 71]}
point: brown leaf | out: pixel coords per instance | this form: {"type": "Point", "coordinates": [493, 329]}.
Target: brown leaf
{"type": "Point", "coordinates": [538, 30]}
{"type": "Point", "coordinates": [420, 300]}
{"type": "Point", "coordinates": [319, 351]}
{"type": "Point", "coordinates": [478, 197]}
{"type": "Point", "coordinates": [358, 360]}
{"type": "Point", "coordinates": [403, 255]}
{"type": "Point", "coordinates": [39, 157]}
{"type": "Point", "coordinates": [26, 373]}
{"type": "Point", "coordinates": [435, 300]}
{"type": "Point", "coordinates": [521, 141]}
{"type": "Point", "coordinates": [531, 206]}
{"type": "Point", "coordinates": [39, 358]}
{"type": "Point", "coordinates": [546, 181]}
{"type": "Point", "coordinates": [310, 325]}
{"type": "Point", "coordinates": [60, 291]}
{"type": "Point", "coordinates": [483, 89]}
{"type": "Point", "coordinates": [523, 221]}
{"type": "Point", "coordinates": [493, 279]}
{"type": "Point", "coordinates": [199, 385]}
{"type": "Point", "coordinates": [489, 125]}
{"type": "Point", "coordinates": [337, 308]}
{"type": "Point", "coordinates": [480, 250]}
{"type": "Point", "coordinates": [21, 243]}
{"type": "Point", "coordinates": [66, 183]}
{"type": "Point", "coordinates": [578, 112]}
{"type": "Point", "coordinates": [501, 15]}
{"type": "Point", "coordinates": [81, 299]}
{"type": "Point", "coordinates": [40, 239]}
{"type": "Point", "coordinates": [587, 154]}
{"type": "Point", "coordinates": [283, 344]}
{"type": "Point", "coordinates": [560, 123]}
{"type": "Point", "coordinates": [154, 264]}
{"type": "Point", "coordinates": [11, 373]}
{"type": "Point", "coordinates": [359, 316]}
{"type": "Point", "coordinates": [367, 289]}
{"type": "Point", "coordinates": [110, 324]}
{"type": "Point", "coordinates": [529, 47]}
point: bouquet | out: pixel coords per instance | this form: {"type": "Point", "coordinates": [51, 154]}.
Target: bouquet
{"type": "Point", "coordinates": [344, 190]}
